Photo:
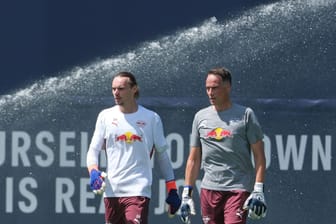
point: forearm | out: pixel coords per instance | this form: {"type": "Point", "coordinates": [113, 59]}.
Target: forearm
{"type": "Point", "coordinates": [98, 142]}
{"type": "Point", "coordinates": [193, 167]}
{"type": "Point", "coordinates": [165, 165]}
{"type": "Point", "coordinates": [92, 159]}
{"type": "Point", "coordinates": [191, 173]}
{"type": "Point", "coordinates": [259, 161]}
{"type": "Point", "coordinates": [260, 172]}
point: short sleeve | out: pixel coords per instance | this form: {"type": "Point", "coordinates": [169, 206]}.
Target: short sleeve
{"type": "Point", "coordinates": [253, 129]}
{"type": "Point", "coordinates": [195, 136]}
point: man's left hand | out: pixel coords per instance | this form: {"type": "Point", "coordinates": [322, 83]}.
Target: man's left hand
{"type": "Point", "coordinates": [255, 203]}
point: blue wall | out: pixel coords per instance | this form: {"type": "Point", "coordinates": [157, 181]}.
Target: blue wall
{"type": "Point", "coordinates": [42, 38]}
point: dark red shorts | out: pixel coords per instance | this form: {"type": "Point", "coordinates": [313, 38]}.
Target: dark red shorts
{"type": "Point", "coordinates": [223, 206]}
{"type": "Point", "coordinates": [126, 210]}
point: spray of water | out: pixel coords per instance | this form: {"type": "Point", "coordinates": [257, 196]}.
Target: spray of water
{"type": "Point", "coordinates": [266, 44]}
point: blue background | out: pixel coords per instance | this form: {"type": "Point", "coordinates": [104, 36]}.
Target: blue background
{"type": "Point", "coordinates": [42, 38]}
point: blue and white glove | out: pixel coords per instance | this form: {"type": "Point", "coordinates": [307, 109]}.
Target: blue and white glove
{"type": "Point", "coordinates": [255, 203]}
{"type": "Point", "coordinates": [188, 206]}
{"type": "Point", "coordinates": [97, 183]}
{"type": "Point", "coordinates": [173, 199]}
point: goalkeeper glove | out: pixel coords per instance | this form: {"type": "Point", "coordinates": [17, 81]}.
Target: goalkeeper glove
{"type": "Point", "coordinates": [173, 200]}
{"type": "Point", "coordinates": [255, 203]}
{"type": "Point", "coordinates": [187, 207]}
{"type": "Point", "coordinates": [97, 183]}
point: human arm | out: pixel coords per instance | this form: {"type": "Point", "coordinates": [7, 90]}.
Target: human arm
{"type": "Point", "coordinates": [259, 160]}
{"type": "Point", "coordinates": [173, 199]}
{"type": "Point", "coordinates": [97, 177]}
{"type": "Point", "coordinates": [255, 135]}
{"type": "Point", "coordinates": [195, 154]}
{"type": "Point", "coordinates": [162, 159]}
{"type": "Point", "coordinates": [191, 174]}
{"type": "Point", "coordinates": [97, 183]}
{"type": "Point", "coordinates": [193, 166]}
{"type": "Point", "coordinates": [256, 203]}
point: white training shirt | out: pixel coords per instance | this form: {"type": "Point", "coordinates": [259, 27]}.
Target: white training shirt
{"type": "Point", "coordinates": [129, 142]}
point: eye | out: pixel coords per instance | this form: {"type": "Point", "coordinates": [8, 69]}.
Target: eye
{"type": "Point", "coordinates": [117, 88]}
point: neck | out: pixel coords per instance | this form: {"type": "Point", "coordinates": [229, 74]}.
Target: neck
{"type": "Point", "coordinates": [128, 109]}
{"type": "Point", "coordinates": [223, 106]}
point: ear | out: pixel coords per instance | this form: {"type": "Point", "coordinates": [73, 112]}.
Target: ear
{"type": "Point", "coordinates": [135, 88]}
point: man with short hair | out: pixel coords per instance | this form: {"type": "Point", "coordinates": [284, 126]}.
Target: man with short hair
{"type": "Point", "coordinates": [223, 136]}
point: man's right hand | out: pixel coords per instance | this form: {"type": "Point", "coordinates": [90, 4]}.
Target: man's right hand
{"type": "Point", "coordinates": [97, 183]}
{"type": "Point", "coordinates": [187, 206]}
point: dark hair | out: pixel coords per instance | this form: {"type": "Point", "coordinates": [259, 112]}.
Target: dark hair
{"type": "Point", "coordinates": [224, 73]}
{"type": "Point", "coordinates": [131, 81]}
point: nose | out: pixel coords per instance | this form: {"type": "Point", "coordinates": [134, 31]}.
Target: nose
{"type": "Point", "coordinates": [115, 92]}
{"type": "Point", "coordinates": [210, 91]}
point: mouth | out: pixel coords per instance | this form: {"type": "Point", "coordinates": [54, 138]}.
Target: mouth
{"type": "Point", "coordinates": [212, 100]}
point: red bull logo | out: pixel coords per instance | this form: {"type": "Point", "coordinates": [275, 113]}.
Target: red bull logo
{"type": "Point", "coordinates": [141, 123]}
{"type": "Point", "coordinates": [129, 137]}
{"type": "Point", "coordinates": [218, 134]}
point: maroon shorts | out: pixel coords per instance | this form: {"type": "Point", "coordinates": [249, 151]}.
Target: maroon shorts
{"type": "Point", "coordinates": [126, 210]}
{"type": "Point", "coordinates": [223, 206]}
